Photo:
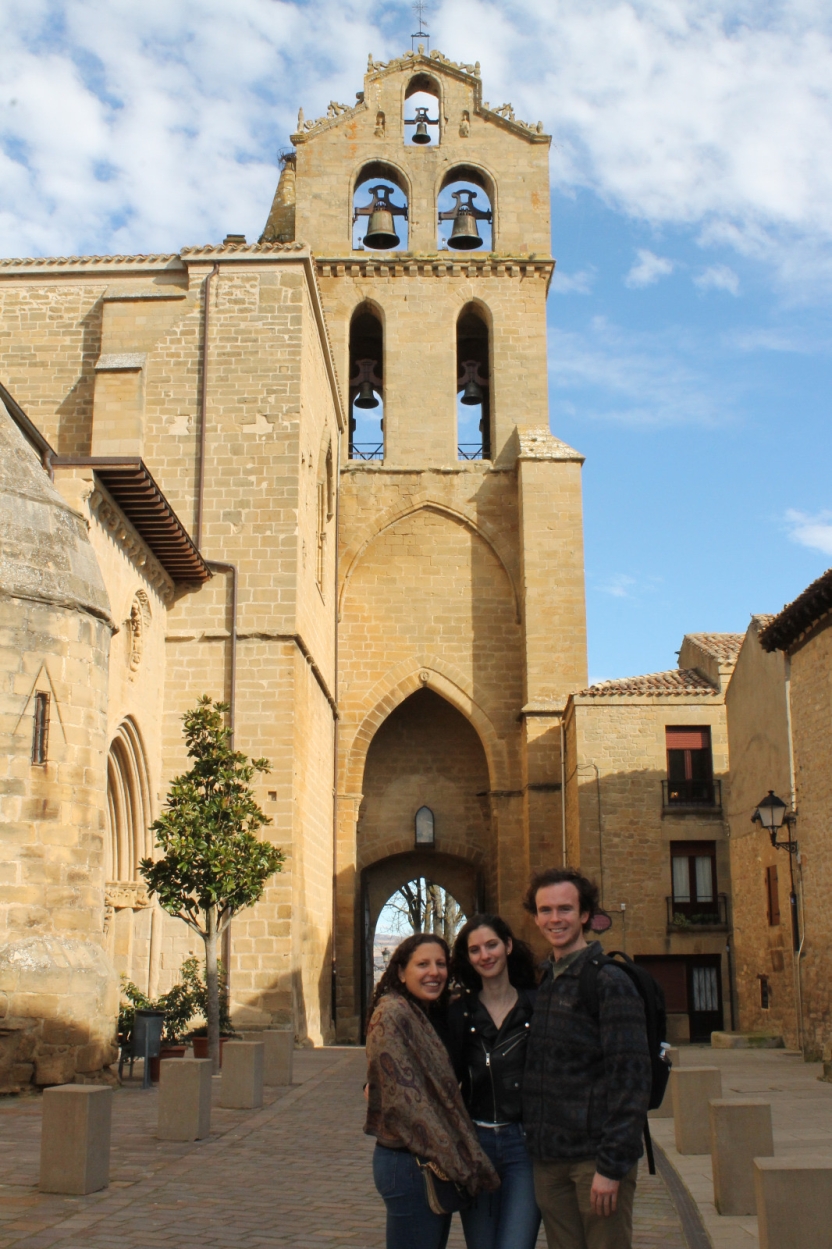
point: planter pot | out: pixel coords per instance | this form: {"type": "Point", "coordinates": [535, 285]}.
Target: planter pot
{"type": "Point", "coordinates": [200, 1044]}
{"type": "Point", "coordinates": [167, 1051]}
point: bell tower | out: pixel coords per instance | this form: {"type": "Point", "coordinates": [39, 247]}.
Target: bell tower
{"type": "Point", "coordinates": [460, 535]}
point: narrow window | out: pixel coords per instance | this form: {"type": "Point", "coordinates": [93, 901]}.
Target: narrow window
{"type": "Point", "coordinates": [765, 992]}
{"type": "Point", "coordinates": [40, 729]}
{"type": "Point", "coordinates": [425, 830]}
{"type": "Point", "coordinates": [473, 412]}
{"type": "Point", "coordinates": [366, 441]}
{"type": "Point", "coordinates": [772, 897]}
{"type": "Point", "coordinates": [693, 872]}
{"type": "Point", "coordinates": [320, 554]}
{"type": "Point", "coordinates": [689, 766]}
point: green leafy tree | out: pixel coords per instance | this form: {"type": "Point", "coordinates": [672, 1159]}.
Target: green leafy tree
{"type": "Point", "coordinates": [213, 865]}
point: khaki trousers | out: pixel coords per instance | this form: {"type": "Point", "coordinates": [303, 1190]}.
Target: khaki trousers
{"type": "Point", "coordinates": [562, 1192]}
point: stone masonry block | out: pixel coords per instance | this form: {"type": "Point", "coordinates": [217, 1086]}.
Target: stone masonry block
{"type": "Point", "coordinates": [184, 1099]}
{"type": "Point", "coordinates": [740, 1132]}
{"type": "Point", "coordinates": [75, 1140]}
{"type": "Point", "coordinates": [794, 1202]}
{"type": "Point", "coordinates": [242, 1075]}
{"type": "Point", "coordinates": [693, 1088]}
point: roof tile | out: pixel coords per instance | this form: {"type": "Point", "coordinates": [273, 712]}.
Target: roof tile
{"type": "Point", "coordinates": [675, 682]}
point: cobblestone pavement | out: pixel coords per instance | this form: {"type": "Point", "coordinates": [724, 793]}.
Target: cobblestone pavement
{"type": "Point", "coordinates": [296, 1173]}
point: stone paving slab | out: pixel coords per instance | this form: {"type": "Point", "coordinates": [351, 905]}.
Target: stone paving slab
{"type": "Point", "coordinates": [294, 1175]}
{"type": "Point", "coordinates": [801, 1114]}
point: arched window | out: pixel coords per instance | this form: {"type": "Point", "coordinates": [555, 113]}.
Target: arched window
{"type": "Point", "coordinates": [466, 211]}
{"type": "Point", "coordinates": [422, 117]}
{"type": "Point", "coordinates": [473, 385]}
{"type": "Point", "coordinates": [128, 804]}
{"type": "Point", "coordinates": [366, 385]}
{"type": "Point", "coordinates": [379, 217]}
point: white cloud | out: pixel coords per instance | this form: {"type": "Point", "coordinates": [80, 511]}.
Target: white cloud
{"type": "Point", "coordinates": [619, 585]}
{"type": "Point", "coordinates": [648, 269]}
{"type": "Point", "coordinates": [129, 126]}
{"type": "Point", "coordinates": [579, 283]}
{"type": "Point", "coordinates": [718, 278]}
{"type": "Point", "coordinates": [812, 531]}
{"type": "Point", "coordinates": [638, 379]}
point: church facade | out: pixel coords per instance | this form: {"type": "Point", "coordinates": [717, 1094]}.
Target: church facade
{"type": "Point", "coordinates": [397, 620]}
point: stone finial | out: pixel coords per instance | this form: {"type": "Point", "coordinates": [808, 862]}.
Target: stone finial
{"type": "Point", "coordinates": [300, 119]}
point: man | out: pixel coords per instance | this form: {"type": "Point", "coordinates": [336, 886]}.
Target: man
{"type": "Point", "coordinates": [587, 1081]}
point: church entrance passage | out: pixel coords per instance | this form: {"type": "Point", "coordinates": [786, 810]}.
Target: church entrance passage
{"type": "Point", "coordinates": [424, 826]}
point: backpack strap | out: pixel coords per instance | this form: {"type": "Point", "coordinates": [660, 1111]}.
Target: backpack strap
{"type": "Point", "coordinates": [588, 984]}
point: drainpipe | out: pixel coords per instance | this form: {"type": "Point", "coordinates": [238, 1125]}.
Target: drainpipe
{"type": "Point", "coordinates": [798, 955]}
{"type": "Point", "coordinates": [334, 1002]}
{"type": "Point", "coordinates": [563, 791]}
{"type": "Point", "coordinates": [231, 569]}
{"type": "Point", "coordinates": [203, 406]}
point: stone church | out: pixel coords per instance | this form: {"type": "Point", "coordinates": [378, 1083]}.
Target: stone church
{"type": "Point", "coordinates": [312, 475]}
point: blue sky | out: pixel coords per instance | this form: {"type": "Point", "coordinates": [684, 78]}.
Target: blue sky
{"type": "Point", "coordinates": [690, 316]}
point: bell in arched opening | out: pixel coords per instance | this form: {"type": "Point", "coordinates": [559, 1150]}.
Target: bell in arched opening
{"type": "Point", "coordinates": [381, 231]}
{"type": "Point", "coordinates": [421, 121]}
{"type": "Point", "coordinates": [471, 384]}
{"type": "Point", "coordinates": [465, 235]}
{"type": "Point", "coordinates": [365, 384]}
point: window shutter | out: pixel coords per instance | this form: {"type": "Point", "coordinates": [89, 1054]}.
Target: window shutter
{"type": "Point", "coordinates": [688, 739]}
{"type": "Point", "coordinates": [773, 896]}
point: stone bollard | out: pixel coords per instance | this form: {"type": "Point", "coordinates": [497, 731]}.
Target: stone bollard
{"type": "Point", "coordinates": [242, 1075]}
{"type": "Point", "coordinates": [184, 1099]}
{"type": "Point", "coordinates": [693, 1088]}
{"type": "Point", "coordinates": [740, 1132]}
{"type": "Point", "coordinates": [794, 1203]}
{"type": "Point", "coordinates": [279, 1052]}
{"type": "Point", "coordinates": [75, 1140]}
{"type": "Point", "coordinates": [665, 1111]}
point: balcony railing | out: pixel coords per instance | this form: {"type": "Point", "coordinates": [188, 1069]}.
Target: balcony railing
{"type": "Point", "coordinates": [688, 916]}
{"type": "Point", "coordinates": [704, 794]}
{"type": "Point", "coordinates": [469, 450]}
{"type": "Point", "coordinates": [367, 451]}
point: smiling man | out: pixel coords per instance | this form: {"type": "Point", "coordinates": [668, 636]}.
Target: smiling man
{"type": "Point", "coordinates": [587, 1080]}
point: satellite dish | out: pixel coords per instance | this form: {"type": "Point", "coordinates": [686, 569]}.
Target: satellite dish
{"type": "Point", "coordinates": [600, 922]}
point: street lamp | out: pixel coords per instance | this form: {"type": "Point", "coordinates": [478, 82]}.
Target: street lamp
{"type": "Point", "coordinates": [772, 814]}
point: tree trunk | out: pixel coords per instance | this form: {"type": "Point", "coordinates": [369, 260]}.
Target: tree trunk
{"type": "Point", "coordinates": [212, 986]}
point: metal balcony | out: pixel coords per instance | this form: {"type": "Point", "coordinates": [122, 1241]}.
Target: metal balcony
{"type": "Point", "coordinates": [692, 795]}
{"type": "Point", "coordinates": [698, 916]}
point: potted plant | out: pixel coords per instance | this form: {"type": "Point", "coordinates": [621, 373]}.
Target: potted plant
{"type": "Point", "coordinates": [178, 1007]}
{"type": "Point", "coordinates": [212, 864]}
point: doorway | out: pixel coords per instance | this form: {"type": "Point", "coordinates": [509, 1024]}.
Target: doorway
{"type": "Point", "coordinates": [692, 985]}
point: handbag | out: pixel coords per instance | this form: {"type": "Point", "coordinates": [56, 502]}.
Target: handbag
{"type": "Point", "coordinates": [443, 1196]}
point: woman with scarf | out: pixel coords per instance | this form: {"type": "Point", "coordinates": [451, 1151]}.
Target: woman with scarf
{"type": "Point", "coordinates": [489, 1030]}
{"type": "Point", "coordinates": [426, 1146]}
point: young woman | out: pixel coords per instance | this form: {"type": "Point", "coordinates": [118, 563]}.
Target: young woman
{"type": "Point", "coordinates": [414, 1106]}
{"type": "Point", "coordinates": [489, 1028]}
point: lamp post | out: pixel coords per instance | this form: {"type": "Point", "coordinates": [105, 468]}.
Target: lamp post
{"type": "Point", "coordinates": [771, 814]}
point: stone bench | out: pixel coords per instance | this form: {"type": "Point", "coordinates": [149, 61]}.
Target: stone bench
{"type": "Point", "coordinates": [75, 1139]}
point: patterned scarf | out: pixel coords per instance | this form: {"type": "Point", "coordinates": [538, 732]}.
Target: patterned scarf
{"type": "Point", "coordinates": [414, 1099]}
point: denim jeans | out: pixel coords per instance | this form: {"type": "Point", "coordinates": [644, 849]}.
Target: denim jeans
{"type": "Point", "coordinates": [411, 1224]}
{"type": "Point", "coordinates": [509, 1218]}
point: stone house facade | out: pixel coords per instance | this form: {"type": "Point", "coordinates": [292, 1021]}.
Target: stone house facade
{"type": "Point", "coordinates": [779, 720]}
{"type": "Point", "coordinates": [647, 792]}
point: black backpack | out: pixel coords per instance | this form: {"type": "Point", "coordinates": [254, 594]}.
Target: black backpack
{"type": "Point", "coordinates": [655, 1013]}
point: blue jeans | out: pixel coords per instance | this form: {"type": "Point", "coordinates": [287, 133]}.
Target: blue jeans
{"type": "Point", "coordinates": [411, 1224]}
{"type": "Point", "coordinates": [509, 1218]}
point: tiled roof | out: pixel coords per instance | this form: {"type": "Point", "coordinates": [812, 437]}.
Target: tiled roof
{"type": "Point", "coordinates": [723, 646]}
{"type": "Point", "coordinates": [796, 618]}
{"type": "Point", "coordinates": [676, 681]}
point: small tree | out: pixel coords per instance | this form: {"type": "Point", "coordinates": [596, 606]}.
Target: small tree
{"type": "Point", "coordinates": [213, 865]}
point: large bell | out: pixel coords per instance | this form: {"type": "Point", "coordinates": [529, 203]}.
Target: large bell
{"type": "Point", "coordinates": [465, 236]}
{"type": "Point", "coordinates": [421, 135]}
{"type": "Point", "coordinates": [471, 394]}
{"type": "Point", "coordinates": [366, 396]}
{"type": "Point", "coordinates": [381, 232]}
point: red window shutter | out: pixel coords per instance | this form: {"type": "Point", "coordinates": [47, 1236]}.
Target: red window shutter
{"type": "Point", "coordinates": [688, 739]}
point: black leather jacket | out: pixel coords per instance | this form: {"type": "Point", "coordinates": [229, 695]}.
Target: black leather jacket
{"type": "Point", "coordinates": [489, 1062]}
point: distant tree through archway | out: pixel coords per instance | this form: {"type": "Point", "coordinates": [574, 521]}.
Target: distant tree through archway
{"type": "Point", "coordinates": [419, 905]}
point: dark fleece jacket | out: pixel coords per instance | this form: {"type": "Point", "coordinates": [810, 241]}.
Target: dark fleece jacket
{"type": "Point", "coordinates": [587, 1080]}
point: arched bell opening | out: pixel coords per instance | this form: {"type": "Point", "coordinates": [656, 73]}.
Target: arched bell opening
{"type": "Point", "coordinates": [466, 210]}
{"type": "Point", "coordinates": [422, 112]}
{"type": "Point", "coordinates": [366, 433]}
{"type": "Point", "coordinates": [379, 218]}
{"type": "Point", "coordinates": [473, 380]}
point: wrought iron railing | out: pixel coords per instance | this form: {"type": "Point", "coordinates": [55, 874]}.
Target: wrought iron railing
{"type": "Point", "coordinates": [469, 450]}
{"type": "Point", "coordinates": [693, 916]}
{"type": "Point", "coordinates": [367, 451]}
{"type": "Point", "coordinates": [707, 794]}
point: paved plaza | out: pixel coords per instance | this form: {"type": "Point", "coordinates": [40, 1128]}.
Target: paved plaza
{"type": "Point", "coordinates": [296, 1173]}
